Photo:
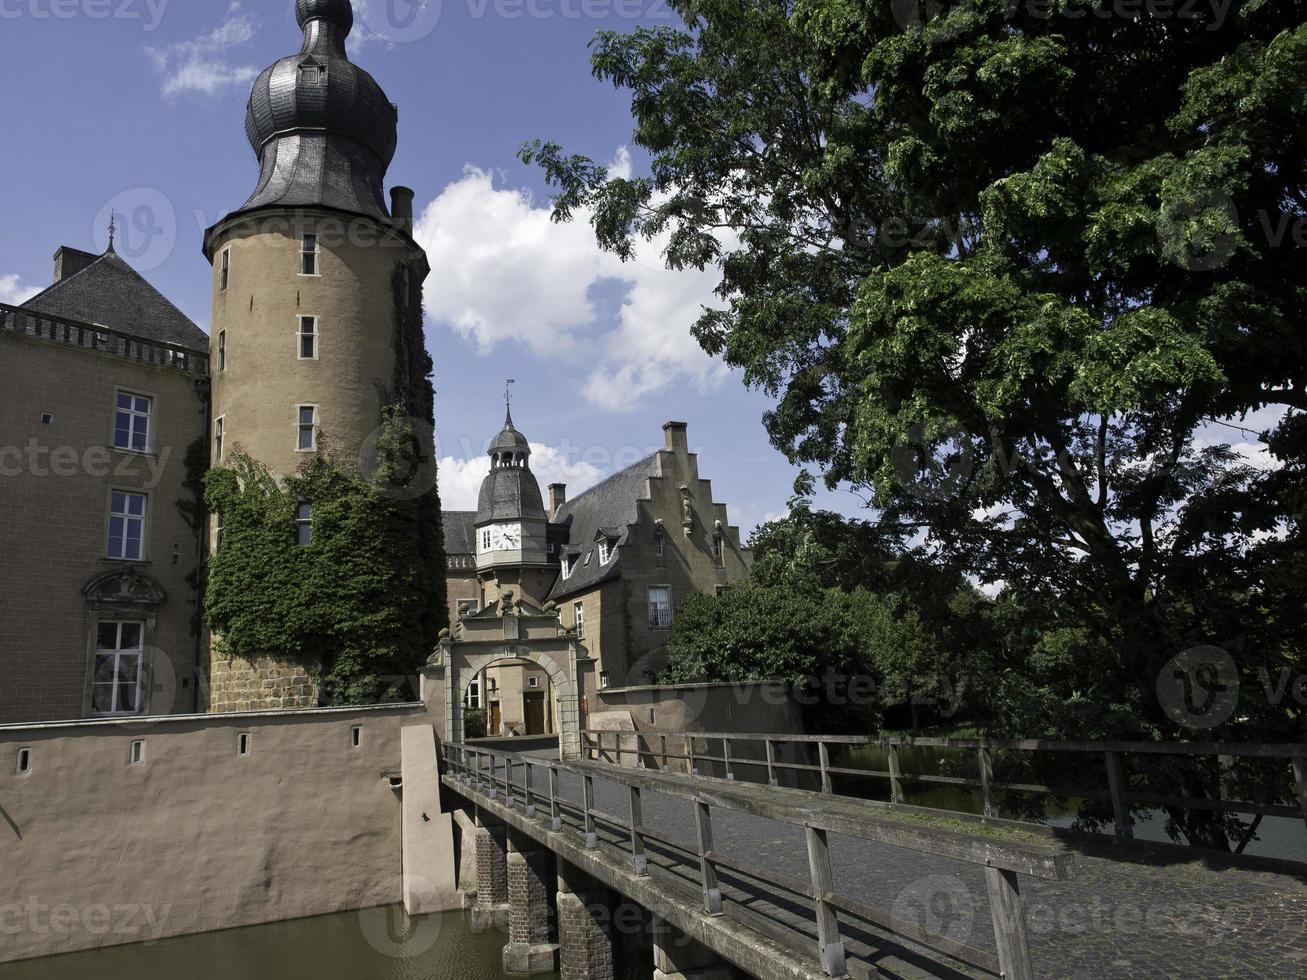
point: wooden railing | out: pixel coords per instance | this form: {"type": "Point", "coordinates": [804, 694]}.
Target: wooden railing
{"type": "Point", "coordinates": [1004, 857]}
{"type": "Point", "coordinates": [73, 333]}
{"type": "Point", "coordinates": [642, 747]}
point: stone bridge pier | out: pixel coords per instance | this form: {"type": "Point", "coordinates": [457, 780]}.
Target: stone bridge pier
{"type": "Point", "coordinates": [531, 915]}
{"type": "Point", "coordinates": [491, 909]}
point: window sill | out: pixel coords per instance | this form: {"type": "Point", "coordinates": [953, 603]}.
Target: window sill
{"type": "Point", "coordinates": [143, 453]}
{"type": "Point", "coordinates": [126, 561]}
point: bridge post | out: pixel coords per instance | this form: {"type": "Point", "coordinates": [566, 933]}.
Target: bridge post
{"type": "Point", "coordinates": [584, 927]}
{"type": "Point", "coordinates": [491, 908]}
{"type": "Point", "coordinates": [678, 957]}
{"type": "Point", "coordinates": [529, 950]}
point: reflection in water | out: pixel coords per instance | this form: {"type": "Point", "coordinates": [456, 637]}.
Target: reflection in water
{"type": "Point", "coordinates": [374, 944]}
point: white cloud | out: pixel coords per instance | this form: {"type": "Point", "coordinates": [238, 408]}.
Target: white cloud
{"type": "Point", "coordinates": [13, 292]}
{"type": "Point", "coordinates": [503, 272]}
{"type": "Point", "coordinates": [460, 479]}
{"type": "Point", "coordinates": [203, 64]}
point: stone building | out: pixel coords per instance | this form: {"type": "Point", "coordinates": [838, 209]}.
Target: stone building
{"type": "Point", "coordinates": [611, 564]}
{"type": "Point", "coordinates": [313, 278]}
{"type": "Point", "coordinates": [104, 392]}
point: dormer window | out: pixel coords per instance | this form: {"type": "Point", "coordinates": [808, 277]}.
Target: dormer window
{"type": "Point", "coordinates": [311, 73]}
{"type": "Point", "coordinates": [605, 551]}
{"type": "Point", "coordinates": [567, 565]}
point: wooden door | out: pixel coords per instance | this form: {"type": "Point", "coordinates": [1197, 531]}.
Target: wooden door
{"type": "Point", "coordinates": [496, 719]}
{"type": "Point", "coordinates": [534, 705]}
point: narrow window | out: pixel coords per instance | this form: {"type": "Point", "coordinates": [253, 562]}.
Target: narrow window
{"type": "Point", "coordinates": [658, 541]}
{"type": "Point", "coordinates": [567, 565]}
{"type": "Point", "coordinates": [578, 609]}
{"type": "Point", "coordinates": [605, 552]}
{"type": "Point", "coordinates": [131, 427]}
{"type": "Point", "coordinates": [356, 736]}
{"type": "Point", "coordinates": [24, 761]}
{"type": "Point", "coordinates": [309, 255]}
{"type": "Point", "coordinates": [217, 530]}
{"type": "Point", "coordinates": [219, 429]}
{"type": "Point", "coordinates": [138, 752]}
{"type": "Point", "coordinates": [126, 526]}
{"type": "Point", "coordinates": [224, 269]}
{"type": "Point", "coordinates": [308, 335]}
{"type": "Point", "coordinates": [118, 678]}
{"type": "Point", "coordinates": [304, 522]}
{"type": "Point", "coordinates": [308, 429]}
{"type": "Point", "coordinates": [222, 350]}
{"type": "Point", "coordinates": [660, 607]}
{"type": "Point", "coordinates": [717, 552]}
{"type": "Point", "coordinates": [485, 540]}
{"type": "Point", "coordinates": [47, 418]}
{"type": "Point", "coordinates": [243, 744]}
{"type": "Point", "coordinates": [605, 679]}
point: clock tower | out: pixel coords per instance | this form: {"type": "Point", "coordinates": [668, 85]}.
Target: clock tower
{"type": "Point", "coordinates": [511, 524]}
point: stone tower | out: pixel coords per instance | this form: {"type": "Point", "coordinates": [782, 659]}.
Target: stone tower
{"type": "Point", "coordinates": [316, 283]}
{"type": "Point", "coordinates": [511, 525]}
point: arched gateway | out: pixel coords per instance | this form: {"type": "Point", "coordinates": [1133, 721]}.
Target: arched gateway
{"type": "Point", "coordinates": [509, 630]}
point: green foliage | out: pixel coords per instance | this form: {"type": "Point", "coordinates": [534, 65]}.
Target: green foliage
{"type": "Point", "coordinates": [999, 265]}
{"type": "Point", "coordinates": [474, 723]}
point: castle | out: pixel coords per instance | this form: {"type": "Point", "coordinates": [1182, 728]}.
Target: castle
{"type": "Point", "coordinates": [115, 404]}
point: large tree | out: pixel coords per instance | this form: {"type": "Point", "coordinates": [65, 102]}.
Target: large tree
{"type": "Point", "coordinates": [1009, 267]}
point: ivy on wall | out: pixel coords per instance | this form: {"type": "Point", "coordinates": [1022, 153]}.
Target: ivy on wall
{"type": "Point", "coordinates": [361, 605]}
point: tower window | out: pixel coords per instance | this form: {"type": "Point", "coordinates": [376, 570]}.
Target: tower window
{"type": "Point", "coordinates": [308, 429]}
{"type": "Point", "coordinates": [243, 744]}
{"type": "Point", "coordinates": [485, 540]}
{"type": "Point", "coordinates": [126, 526]}
{"type": "Point", "coordinates": [219, 430]}
{"type": "Point", "coordinates": [224, 269]}
{"type": "Point", "coordinates": [222, 350]}
{"type": "Point", "coordinates": [308, 338]}
{"type": "Point", "coordinates": [131, 427]}
{"type": "Point", "coordinates": [309, 255]}
{"type": "Point", "coordinates": [312, 74]}
{"type": "Point", "coordinates": [304, 523]}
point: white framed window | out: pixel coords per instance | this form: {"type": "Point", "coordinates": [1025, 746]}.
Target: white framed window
{"type": "Point", "coordinates": [217, 530]}
{"type": "Point", "coordinates": [304, 523]}
{"type": "Point", "coordinates": [660, 607]}
{"type": "Point", "coordinates": [118, 674]}
{"type": "Point", "coordinates": [717, 551]}
{"type": "Point", "coordinates": [219, 433]}
{"type": "Point", "coordinates": [306, 429]}
{"type": "Point", "coordinates": [137, 755]}
{"type": "Point", "coordinates": [605, 551]}
{"type": "Point", "coordinates": [309, 255]}
{"type": "Point", "coordinates": [485, 539]}
{"type": "Point", "coordinates": [222, 350]}
{"type": "Point", "coordinates": [473, 605]}
{"type": "Point", "coordinates": [131, 424]}
{"type": "Point", "coordinates": [578, 611]}
{"type": "Point", "coordinates": [567, 565]}
{"type": "Point", "coordinates": [224, 269]}
{"type": "Point", "coordinates": [605, 679]}
{"type": "Point", "coordinates": [533, 681]}
{"type": "Point", "coordinates": [307, 338]}
{"type": "Point", "coordinates": [127, 525]}
{"type": "Point", "coordinates": [473, 699]}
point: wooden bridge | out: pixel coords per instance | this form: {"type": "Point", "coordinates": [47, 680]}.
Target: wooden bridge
{"type": "Point", "coordinates": [740, 878]}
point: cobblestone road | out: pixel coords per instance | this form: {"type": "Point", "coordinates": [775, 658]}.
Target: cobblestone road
{"type": "Point", "coordinates": [1179, 916]}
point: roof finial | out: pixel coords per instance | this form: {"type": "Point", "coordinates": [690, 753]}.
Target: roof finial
{"type": "Point", "coordinates": [508, 402]}
{"type": "Point", "coordinates": [113, 228]}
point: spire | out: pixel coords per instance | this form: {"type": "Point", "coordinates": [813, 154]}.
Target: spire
{"type": "Point", "coordinates": [508, 404]}
{"type": "Point", "coordinates": [113, 228]}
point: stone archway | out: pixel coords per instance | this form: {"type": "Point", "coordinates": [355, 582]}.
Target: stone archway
{"type": "Point", "coordinates": [464, 661]}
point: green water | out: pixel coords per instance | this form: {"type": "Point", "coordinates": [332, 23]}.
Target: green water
{"type": "Point", "coordinates": [375, 944]}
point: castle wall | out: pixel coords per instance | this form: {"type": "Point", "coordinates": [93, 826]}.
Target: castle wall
{"type": "Point", "coordinates": [197, 837]}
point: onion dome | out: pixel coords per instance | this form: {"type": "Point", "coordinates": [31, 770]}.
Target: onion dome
{"type": "Point", "coordinates": [510, 491]}
{"type": "Point", "coordinates": [322, 128]}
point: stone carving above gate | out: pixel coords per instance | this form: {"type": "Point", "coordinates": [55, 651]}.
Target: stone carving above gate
{"type": "Point", "coordinates": [124, 588]}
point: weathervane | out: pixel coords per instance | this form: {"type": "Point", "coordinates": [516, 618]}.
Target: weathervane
{"type": "Point", "coordinates": [508, 396]}
{"type": "Point", "coordinates": [113, 228]}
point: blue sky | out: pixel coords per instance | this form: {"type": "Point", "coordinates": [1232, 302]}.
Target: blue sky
{"type": "Point", "coordinates": [137, 106]}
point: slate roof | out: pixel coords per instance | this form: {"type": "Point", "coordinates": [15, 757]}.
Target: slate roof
{"type": "Point", "coordinates": [611, 506]}
{"type": "Point", "coordinates": [109, 292]}
{"type": "Point", "coordinates": [460, 535]}
{"type": "Point", "coordinates": [509, 493]}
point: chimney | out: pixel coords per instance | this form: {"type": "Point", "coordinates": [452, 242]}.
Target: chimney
{"type": "Point", "coordinates": [677, 439]}
{"type": "Point", "coordinates": [69, 261]}
{"type": "Point", "coordinates": [401, 207]}
{"type": "Point", "coordinates": [557, 497]}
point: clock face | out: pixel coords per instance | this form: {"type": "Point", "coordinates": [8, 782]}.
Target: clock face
{"type": "Point", "coordinates": [505, 537]}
